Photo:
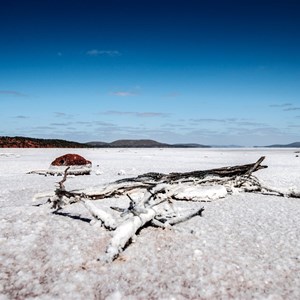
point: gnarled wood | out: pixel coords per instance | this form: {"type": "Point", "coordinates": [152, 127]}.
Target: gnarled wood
{"type": "Point", "coordinates": [158, 188]}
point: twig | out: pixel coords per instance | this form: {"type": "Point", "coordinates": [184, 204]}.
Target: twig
{"type": "Point", "coordinates": [61, 183]}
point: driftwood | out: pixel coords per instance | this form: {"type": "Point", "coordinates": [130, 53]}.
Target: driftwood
{"type": "Point", "coordinates": [147, 193]}
{"type": "Point", "coordinates": [152, 180]}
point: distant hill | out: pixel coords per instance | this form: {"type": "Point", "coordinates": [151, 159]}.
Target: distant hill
{"type": "Point", "coordinates": [129, 144]}
{"type": "Point", "coordinates": [97, 144]}
{"type": "Point", "coordinates": [26, 142]}
{"type": "Point", "coordinates": [292, 145]}
{"type": "Point", "coordinates": [142, 144]}
{"type": "Point", "coordinates": [137, 144]}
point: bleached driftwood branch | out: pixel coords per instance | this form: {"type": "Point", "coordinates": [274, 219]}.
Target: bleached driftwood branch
{"type": "Point", "coordinates": [158, 189]}
{"type": "Point", "coordinates": [151, 181]}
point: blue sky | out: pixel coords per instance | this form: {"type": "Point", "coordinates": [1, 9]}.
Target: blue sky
{"type": "Point", "coordinates": [209, 72]}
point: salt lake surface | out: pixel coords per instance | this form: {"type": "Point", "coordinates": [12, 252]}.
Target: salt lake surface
{"type": "Point", "coordinates": [245, 246]}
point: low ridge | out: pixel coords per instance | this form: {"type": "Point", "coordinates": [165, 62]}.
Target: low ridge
{"type": "Point", "coordinates": [27, 142]}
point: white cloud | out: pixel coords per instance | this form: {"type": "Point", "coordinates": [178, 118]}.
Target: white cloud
{"type": "Point", "coordinates": [137, 114]}
{"type": "Point", "coordinates": [281, 105]}
{"type": "Point", "coordinates": [61, 124]}
{"type": "Point", "coordinates": [172, 95]}
{"type": "Point", "coordinates": [151, 114]}
{"type": "Point", "coordinates": [96, 52]}
{"type": "Point", "coordinates": [292, 108]}
{"type": "Point", "coordinates": [21, 117]}
{"type": "Point", "coordinates": [124, 94]}
{"type": "Point", "coordinates": [59, 114]}
{"type": "Point", "coordinates": [12, 93]}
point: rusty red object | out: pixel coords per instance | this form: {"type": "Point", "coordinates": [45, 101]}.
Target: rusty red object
{"type": "Point", "coordinates": [70, 160]}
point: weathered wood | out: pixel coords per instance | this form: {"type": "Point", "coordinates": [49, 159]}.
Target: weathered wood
{"type": "Point", "coordinates": [221, 172]}
{"type": "Point", "coordinates": [149, 181]}
{"type": "Point", "coordinates": [125, 232]}
{"type": "Point", "coordinates": [158, 188]}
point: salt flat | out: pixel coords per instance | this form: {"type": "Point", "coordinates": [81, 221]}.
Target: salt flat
{"type": "Point", "coordinates": [245, 246]}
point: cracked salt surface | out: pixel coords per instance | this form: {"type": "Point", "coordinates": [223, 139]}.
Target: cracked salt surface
{"type": "Point", "coordinates": [245, 246]}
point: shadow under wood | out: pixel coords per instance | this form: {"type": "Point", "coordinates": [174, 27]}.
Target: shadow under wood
{"type": "Point", "coordinates": [75, 217]}
{"type": "Point", "coordinates": [40, 204]}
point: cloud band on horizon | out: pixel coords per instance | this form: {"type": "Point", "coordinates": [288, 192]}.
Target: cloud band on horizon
{"type": "Point", "coordinates": [137, 114]}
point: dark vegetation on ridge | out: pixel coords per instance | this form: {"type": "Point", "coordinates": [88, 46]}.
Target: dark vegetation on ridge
{"type": "Point", "coordinates": [26, 142]}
